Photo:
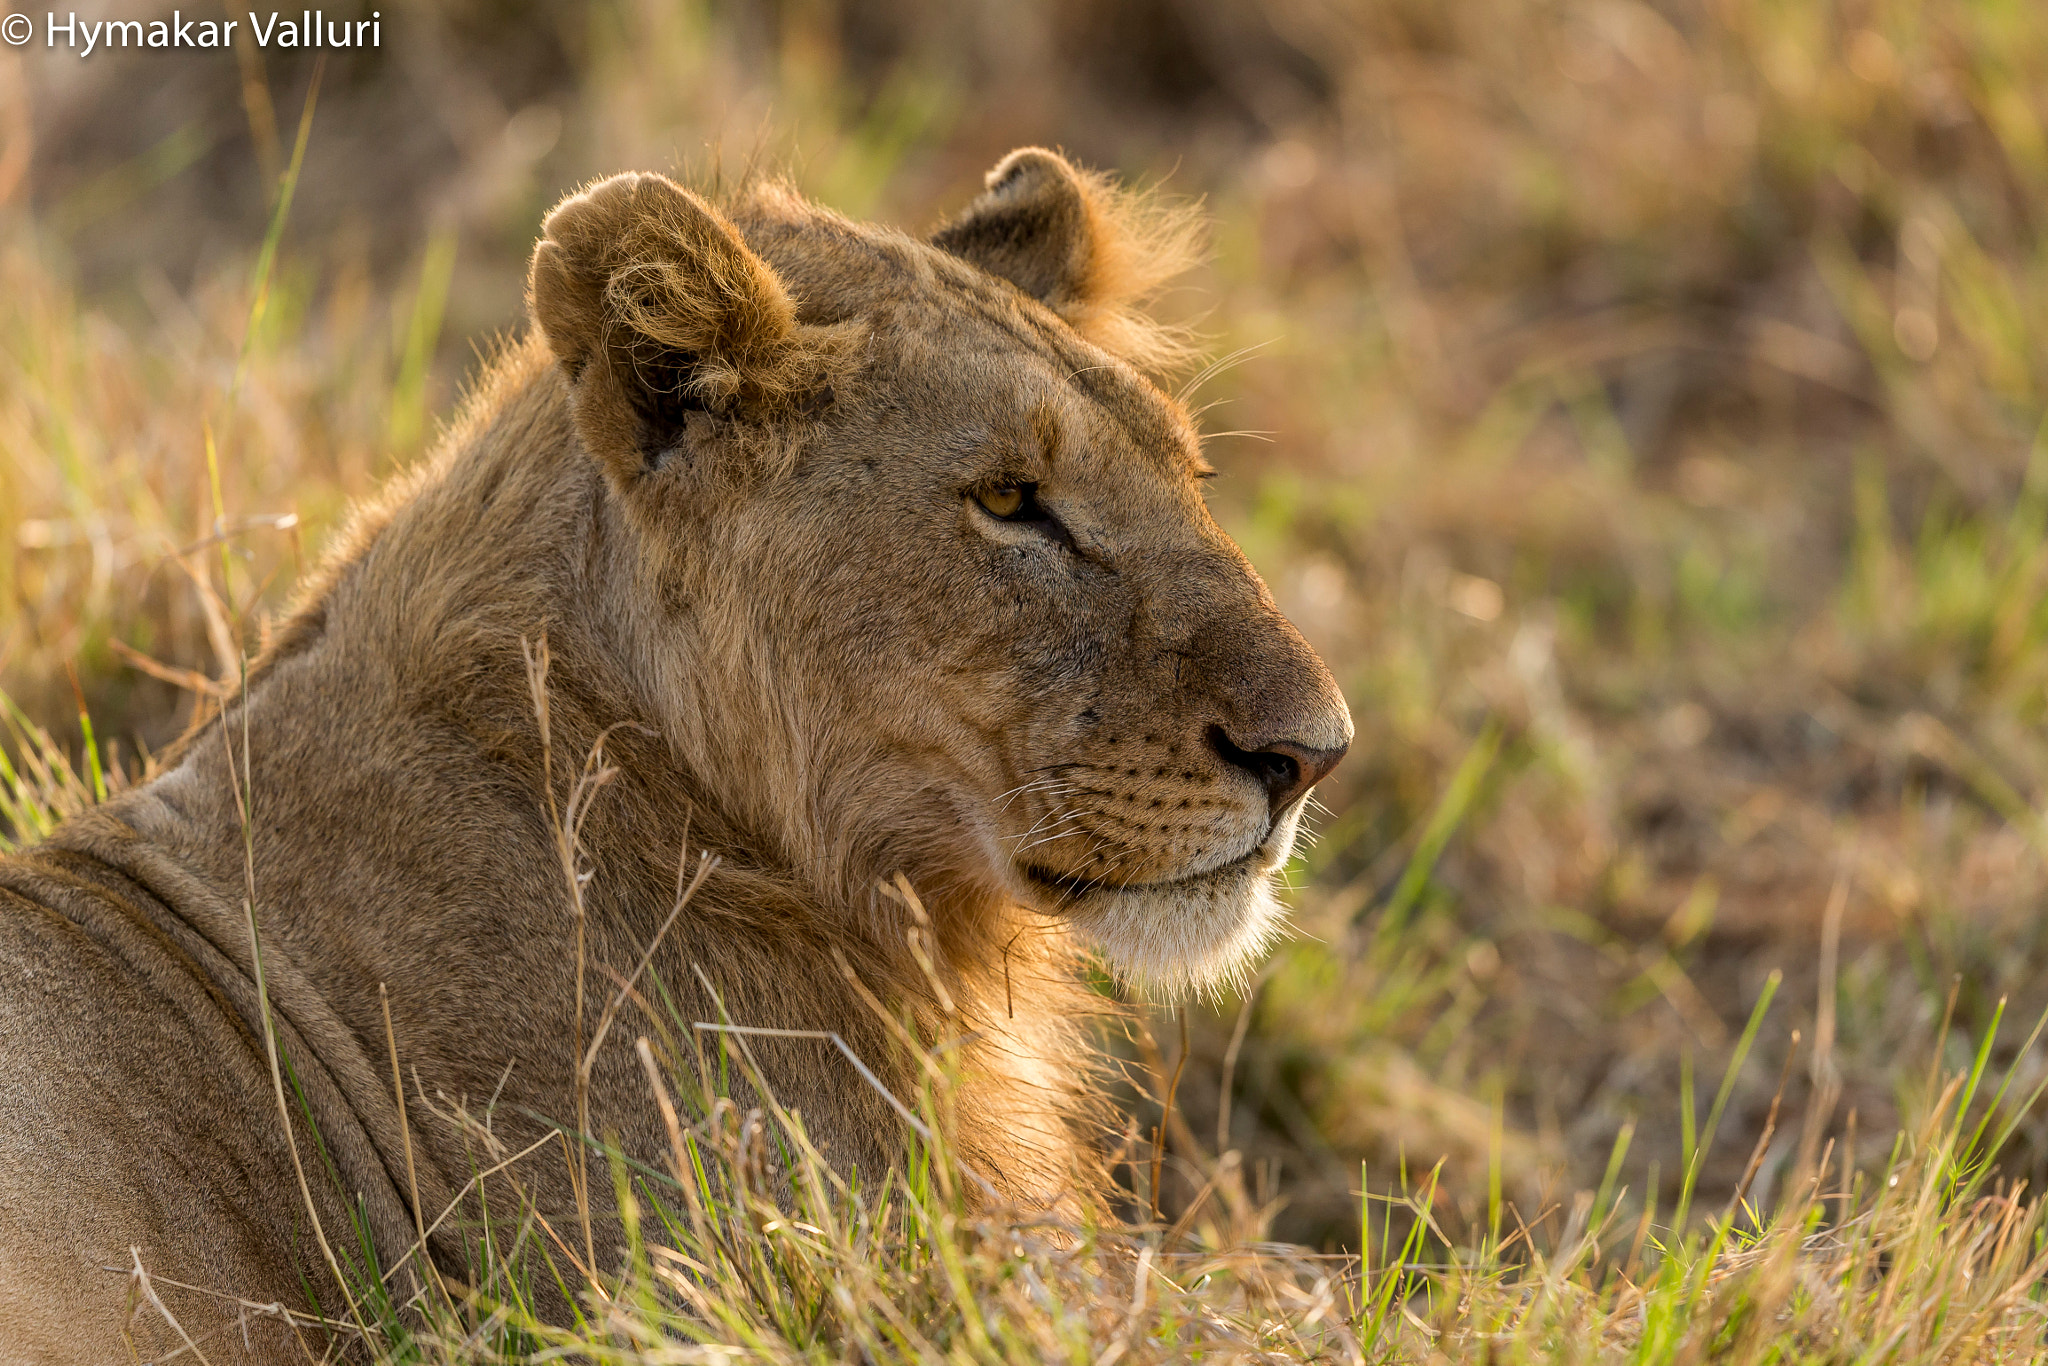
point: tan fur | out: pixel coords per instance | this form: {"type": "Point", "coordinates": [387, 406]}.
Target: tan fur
{"type": "Point", "coordinates": [731, 481]}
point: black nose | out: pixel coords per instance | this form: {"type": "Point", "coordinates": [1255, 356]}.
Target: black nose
{"type": "Point", "coordinates": [1285, 769]}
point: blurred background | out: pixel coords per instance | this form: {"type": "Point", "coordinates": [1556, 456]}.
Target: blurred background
{"type": "Point", "coordinates": [1638, 404]}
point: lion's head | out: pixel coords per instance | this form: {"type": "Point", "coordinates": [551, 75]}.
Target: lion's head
{"type": "Point", "coordinates": [928, 557]}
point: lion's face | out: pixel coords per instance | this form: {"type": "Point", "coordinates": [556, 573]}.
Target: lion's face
{"type": "Point", "coordinates": [973, 620]}
{"type": "Point", "coordinates": [1029, 610]}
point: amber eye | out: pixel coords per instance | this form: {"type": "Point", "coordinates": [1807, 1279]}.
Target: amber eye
{"type": "Point", "coordinates": [1017, 503]}
{"type": "Point", "coordinates": [1004, 500]}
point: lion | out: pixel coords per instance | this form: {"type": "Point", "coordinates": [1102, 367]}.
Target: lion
{"type": "Point", "coordinates": [877, 568]}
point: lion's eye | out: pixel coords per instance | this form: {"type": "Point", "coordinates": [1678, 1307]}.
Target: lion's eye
{"type": "Point", "coordinates": [1018, 505]}
{"type": "Point", "coordinates": [1006, 501]}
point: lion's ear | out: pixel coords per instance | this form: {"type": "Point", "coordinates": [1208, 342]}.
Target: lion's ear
{"type": "Point", "coordinates": [656, 309]}
{"type": "Point", "coordinates": [1090, 252]}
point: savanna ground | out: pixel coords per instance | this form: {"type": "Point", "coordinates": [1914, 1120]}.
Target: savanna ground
{"type": "Point", "coordinates": [1639, 405]}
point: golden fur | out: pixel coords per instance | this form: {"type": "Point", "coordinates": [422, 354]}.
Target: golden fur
{"type": "Point", "coordinates": [735, 490]}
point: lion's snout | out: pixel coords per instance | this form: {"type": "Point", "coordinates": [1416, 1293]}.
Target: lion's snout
{"type": "Point", "coordinates": [1280, 716]}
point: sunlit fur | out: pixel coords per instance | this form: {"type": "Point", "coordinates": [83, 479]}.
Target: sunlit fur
{"type": "Point", "coordinates": [726, 488]}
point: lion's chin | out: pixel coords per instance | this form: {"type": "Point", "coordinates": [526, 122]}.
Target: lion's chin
{"type": "Point", "coordinates": [1197, 935]}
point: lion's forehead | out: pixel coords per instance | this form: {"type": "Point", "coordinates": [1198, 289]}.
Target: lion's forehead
{"type": "Point", "coordinates": [952, 326]}
{"type": "Point", "coordinates": [1077, 415]}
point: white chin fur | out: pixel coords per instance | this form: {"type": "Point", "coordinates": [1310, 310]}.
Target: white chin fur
{"type": "Point", "coordinates": [1172, 942]}
{"type": "Point", "coordinates": [1201, 935]}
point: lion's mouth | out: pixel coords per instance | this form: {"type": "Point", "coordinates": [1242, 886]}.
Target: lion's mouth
{"type": "Point", "coordinates": [1074, 887]}
{"type": "Point", "coordinates": [1063, 883]}
{"type": "Point", "coordinates": [1071, 889]}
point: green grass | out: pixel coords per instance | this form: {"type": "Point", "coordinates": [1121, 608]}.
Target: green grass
{"type": "Point", "coordinates": [1641, 408]}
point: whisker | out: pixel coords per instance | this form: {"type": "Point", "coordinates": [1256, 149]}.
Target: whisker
{"type": "Point", "coordinates": [1039, 785]}
{"type": "Point", "coordinates": [1053, 817]}
{"type": "Point", "coordinates": [1078, 830]}
{"type": "Point", "coordinates": [1217, 367]}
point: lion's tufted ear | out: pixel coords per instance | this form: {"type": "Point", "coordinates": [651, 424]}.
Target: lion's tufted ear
{"type": "Point", "coordinates": [656, 309]}
{"type": "Point", "coordinates": [1090, 252]}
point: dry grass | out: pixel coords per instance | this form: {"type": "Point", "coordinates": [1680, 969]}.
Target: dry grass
{"type": "Point", "coordinates": [1641, 410]}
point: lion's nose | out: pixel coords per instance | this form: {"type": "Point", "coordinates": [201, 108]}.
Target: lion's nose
{"type": "Point", "coordinates": [1285, 769]}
